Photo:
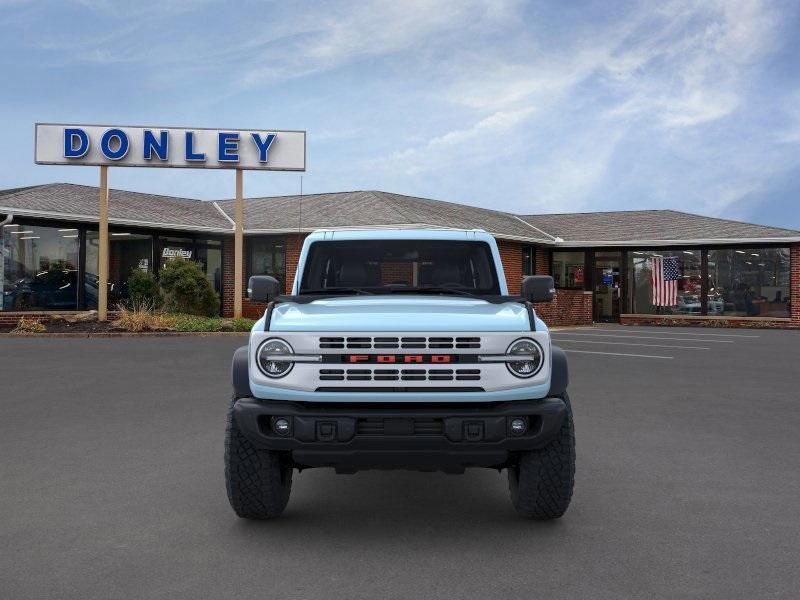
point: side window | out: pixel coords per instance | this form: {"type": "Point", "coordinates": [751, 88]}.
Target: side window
{"type": "Point", "coordinates": [568, 270]}
{"type": "Point", "coordinates": [266, 256]}
{"type": "Point", "coordinates": [528, 260]}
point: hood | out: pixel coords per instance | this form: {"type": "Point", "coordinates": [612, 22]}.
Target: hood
{"type": "Point", "coordinates": [400, 313]}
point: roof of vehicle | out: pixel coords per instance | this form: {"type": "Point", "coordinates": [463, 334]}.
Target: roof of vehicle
{"type": "Point", "coordinates": [400, 234]}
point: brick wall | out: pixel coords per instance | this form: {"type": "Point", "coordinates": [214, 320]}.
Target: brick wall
{"type": "Point", "coordinates": [709, 321]}
{"type": "Point", "coordinates": [227, 276]}
{"type": "Point", "coordinates": [294, 244]}
{"type": "Point", "coordinates": [399, 272]}
{"type": "Point", "coordinates": [253, 310]}
{"type": "Point", "coordinates": [542, 261]}
{"type": "Point", "coordinates": [13, 317]}
{"type": "Point", "coordinates": [511, 256]}
{"type": "Point", "coordinates": [569, 307]}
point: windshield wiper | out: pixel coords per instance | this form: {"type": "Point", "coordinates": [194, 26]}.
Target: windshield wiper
{"type": "Point", "coordinates": [337, 290]}
{"type": "Point", "coordinates": [440, 290]}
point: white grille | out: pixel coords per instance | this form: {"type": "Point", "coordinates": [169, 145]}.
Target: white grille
{"type": "Point", "coordinates": [413, 374]}
{"type": "Point", "coordinates": [399, 343]}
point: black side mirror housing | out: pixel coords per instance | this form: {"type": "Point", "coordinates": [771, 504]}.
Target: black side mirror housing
{"type": "Point", "coordinates": [262, 288]}
{"type": "Point", "coordinates": [538, 288]}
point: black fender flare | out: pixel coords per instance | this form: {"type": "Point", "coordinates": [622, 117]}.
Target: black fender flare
{"type": "Point", "coordinates": [559, 373]}
{"type": "Point", "coordinates": [240, 376]}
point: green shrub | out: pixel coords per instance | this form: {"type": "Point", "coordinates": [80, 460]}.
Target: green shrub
{"type": "Point", "coordinates": [242, 324]}
{"type": "Point", "coordinates": [143, 289]}
{"type": "Point", "coordinates": [186, 289]}
{"type": "Point", "coordinates": [196, 323]}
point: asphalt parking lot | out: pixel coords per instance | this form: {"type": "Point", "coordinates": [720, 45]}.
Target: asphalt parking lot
{"type": "Point", "coordinates": [111, 483]}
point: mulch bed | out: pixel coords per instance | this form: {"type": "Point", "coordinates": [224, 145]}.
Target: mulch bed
{"type": "Point", "coordinates": [62, 326]}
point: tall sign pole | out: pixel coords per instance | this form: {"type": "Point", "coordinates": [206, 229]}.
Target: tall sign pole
{"type": "Point", "coordinates": [238, 243]}
{"type": "Point", "coordinates": [102, 255]}
{"type": "Point", "coordinates": [173, 147]}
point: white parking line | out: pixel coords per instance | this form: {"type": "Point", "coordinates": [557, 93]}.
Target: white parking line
{"type": "Point", "coordinates": [634, 344]}
{"type": "Point", "coordinates": [733, 335]}
{"type": "Point", "coordinates": [645, 337]}
{"type": "Point", "coordinates": [617, 354]}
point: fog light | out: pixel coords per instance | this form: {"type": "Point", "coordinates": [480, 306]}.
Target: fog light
{"type": "Point", "coordinates": [518, 426]}
{"type": "Point", "coordinates": [281, 426]}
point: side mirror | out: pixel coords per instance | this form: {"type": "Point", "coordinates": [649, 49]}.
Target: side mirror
{"type": "Point", "coordinates": [262, 288]}
{"type": "Point", "coordinates": [538, 288]}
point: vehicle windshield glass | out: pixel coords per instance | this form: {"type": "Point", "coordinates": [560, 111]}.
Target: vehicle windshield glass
{"type": "Point", "coordinates": [400, 266]}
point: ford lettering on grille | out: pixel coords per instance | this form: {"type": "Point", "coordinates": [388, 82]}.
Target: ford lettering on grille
{"type": "Point", "coordinates": [406, 359]}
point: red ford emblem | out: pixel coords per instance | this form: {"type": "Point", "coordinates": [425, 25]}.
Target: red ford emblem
{"type": "Point", "coordinates": [399, 358]}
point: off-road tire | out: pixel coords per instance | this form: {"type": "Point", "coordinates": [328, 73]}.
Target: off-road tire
{"type": "Point", "coordinates": [258, 481]}
{"type": "Point", "coordinates": [541, 481]}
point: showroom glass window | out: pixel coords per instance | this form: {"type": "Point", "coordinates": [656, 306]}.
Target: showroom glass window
{"type": "Point", "coordinates": [646, 296]}
{"type": "Point", "coordinates": [39, 267]}
{"type": "Point", "coordinates": [267, 256]}
{"type": "Point", "coordinates": [209, 255]}
{"type": "Point", "coordinates": [569, 270]}
{"type": "Point", "coordinates": [528, 260]}
{"type": "Point", "coordinates": [748, 282]}
{"type": "Point", "coordinates": [128, 251]}
{"type": "Point", "coordinates": [176, 247]}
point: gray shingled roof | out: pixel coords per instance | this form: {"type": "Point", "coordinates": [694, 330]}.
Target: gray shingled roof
{"type": "Point", "coordinates": [79, 202]}
{"type": "Point", "coordinates": [650, 225]}
{"type": "Point", "coordinates": [380, 209]}
{"type": "Point", "coordinates": [374, 209]}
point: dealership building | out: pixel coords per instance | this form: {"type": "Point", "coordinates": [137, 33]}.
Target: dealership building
{"type": "Point", "coordinates": [726, 272]}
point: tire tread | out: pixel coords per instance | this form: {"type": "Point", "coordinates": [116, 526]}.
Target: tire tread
{"type": "Point", "coordinates": [541, 484]}
{"type": "Point", "coordinates": [258, 482]}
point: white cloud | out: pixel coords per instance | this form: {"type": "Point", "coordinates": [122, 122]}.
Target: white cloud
{"type": "Point", "coordinates": [565, 178]}
{"type": "Point", "coordinates": [670, 71]}
{"type": "Point", "coordinates": [523, 105]}
{"type": "Point", "coordinates": [475, 144]}
{"type": "Point", "coordinates": [334, 37]}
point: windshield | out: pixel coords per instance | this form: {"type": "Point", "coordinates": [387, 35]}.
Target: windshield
{"type": "Point", "coordinates": [400, 266]}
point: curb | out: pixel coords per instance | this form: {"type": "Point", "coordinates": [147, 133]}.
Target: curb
{"type": "Point", "coordinates": [126, 334]}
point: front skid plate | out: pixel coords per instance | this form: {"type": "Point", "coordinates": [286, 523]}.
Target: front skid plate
{"type": "Point", "coordinates": [356, 436]}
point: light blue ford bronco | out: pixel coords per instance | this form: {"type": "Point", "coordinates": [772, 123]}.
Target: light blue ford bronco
{"type": "Point", "coordinates": [400, 349]}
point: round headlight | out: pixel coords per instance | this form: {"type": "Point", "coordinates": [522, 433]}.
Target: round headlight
{"type": "Point", "coordinates": [274, 368]}
{"type": "Point", "coordinates": [525, 368]}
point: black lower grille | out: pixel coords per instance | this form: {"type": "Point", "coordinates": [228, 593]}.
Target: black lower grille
{"type": "Point", "coordinates": [399, 426]}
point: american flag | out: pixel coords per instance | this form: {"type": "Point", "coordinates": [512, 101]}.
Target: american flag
{"type": "Point", "coordinates": [664, 277]}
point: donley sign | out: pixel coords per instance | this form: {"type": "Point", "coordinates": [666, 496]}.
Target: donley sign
{"type": "Point", "coordinates": [121, 146]}
{"type": "Point", "coordinates": [189, 148]}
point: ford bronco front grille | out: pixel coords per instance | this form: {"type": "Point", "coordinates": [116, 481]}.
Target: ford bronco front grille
{"type": "Point", "coordinates": [415, 374]}
{"type": "Point", "coordinates": [389, 343]}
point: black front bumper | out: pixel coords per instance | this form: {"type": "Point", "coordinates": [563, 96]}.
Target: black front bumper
{"type": "Point", "coordinates": [445, 437]}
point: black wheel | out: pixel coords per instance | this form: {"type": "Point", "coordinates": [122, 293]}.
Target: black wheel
{"type": "Point", "coordinates": [542, 480]}
{"type": "Point", "coordinates": [258, 481]}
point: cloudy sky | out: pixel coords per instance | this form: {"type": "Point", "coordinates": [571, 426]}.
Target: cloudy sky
{"type": "Point", "coordinates": [522, 106]}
